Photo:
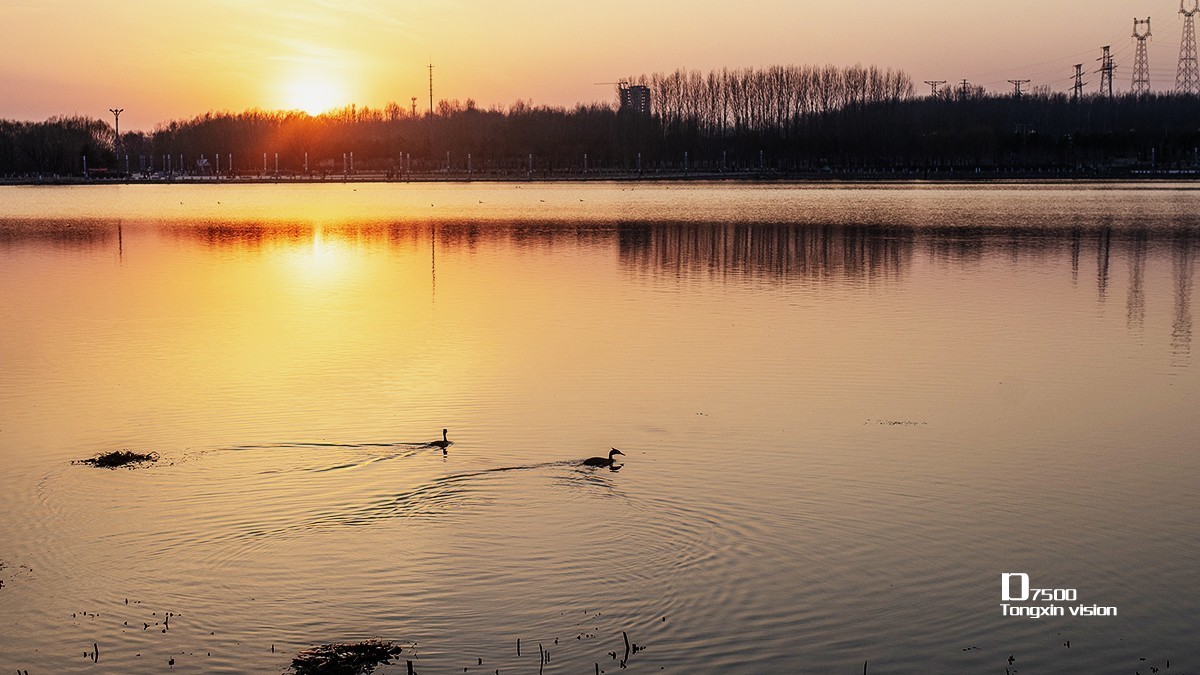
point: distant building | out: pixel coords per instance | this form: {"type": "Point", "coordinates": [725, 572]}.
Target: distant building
{"type": "Point", "coordinates": [635, 98]}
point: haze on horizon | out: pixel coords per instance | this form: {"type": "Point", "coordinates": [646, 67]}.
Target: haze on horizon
{"type": "Point", "coordinates": [174, 59]}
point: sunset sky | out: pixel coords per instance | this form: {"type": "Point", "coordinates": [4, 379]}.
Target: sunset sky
{"type": "Point", "coordinates": [179, 58]}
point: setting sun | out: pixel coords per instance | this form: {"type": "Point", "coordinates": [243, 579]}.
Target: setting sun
{"type": "Point", "coordinates": [313, 96]}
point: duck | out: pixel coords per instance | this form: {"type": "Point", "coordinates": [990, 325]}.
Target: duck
{"type": "Point", "coordinates": [444, 443]}
{"type": "Point", "coordinates": [603, 461]}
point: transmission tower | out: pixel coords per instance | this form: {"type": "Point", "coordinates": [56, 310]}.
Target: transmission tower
{"type": "Point", "coordinates": [1017, 84]}
{"type": "Point", "coordinates": [964, 90]}
{"type": "Point", "coordinates": [1106, 71]}
{"type": "Point", "coordinates": [1141, 64]}
{"type": "Point", "coordinates": [934, 84]}
{"type": "Point", "coordinates": [1077, 93]}
{"type": "Point", "coordinates": [431, 88]}
{"type": "Point", "coordinates": [1187, 77]}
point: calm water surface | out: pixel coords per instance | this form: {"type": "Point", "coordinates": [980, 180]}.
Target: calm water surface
{"type": "Point", "coordinates": [846, 411]}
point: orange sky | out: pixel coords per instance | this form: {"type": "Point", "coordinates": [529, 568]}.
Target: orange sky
{"type": "Point", "coordinates": [178, 58]}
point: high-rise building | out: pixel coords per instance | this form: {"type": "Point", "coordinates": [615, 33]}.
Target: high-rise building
{"type": "Point", "coordinates": [635, 98]}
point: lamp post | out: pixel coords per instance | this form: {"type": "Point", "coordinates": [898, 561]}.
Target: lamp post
{"type": "Point", "coordinates": [117, 126]}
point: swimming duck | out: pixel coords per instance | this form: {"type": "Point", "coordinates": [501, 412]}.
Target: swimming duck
{"type": "Point", "coordinates": [444, 443]}
{"type": "Point", "coordinates": [602, 461]}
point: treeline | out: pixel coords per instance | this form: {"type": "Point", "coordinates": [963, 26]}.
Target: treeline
{"type": "Point", "coordinates": [1031, 132]}
{"type": "Point", "coordinates": [54, 146]}
{"type": "Point", "coordinates": [351, 139]}
{"type": "Point", "coordinates": [780, 119]}
{"type": "Point", "coordinates": [774, 100]}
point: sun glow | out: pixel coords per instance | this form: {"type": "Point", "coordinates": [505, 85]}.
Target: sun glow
{"type": "Point", "coordinates": [313, 95]}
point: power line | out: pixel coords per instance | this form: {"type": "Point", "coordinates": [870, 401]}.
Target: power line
{"type": "Point", "coordinates": [1132, 53]}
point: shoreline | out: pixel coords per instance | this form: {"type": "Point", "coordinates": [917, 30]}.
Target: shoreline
{"type": "Point", "coordinates": [799, 178]}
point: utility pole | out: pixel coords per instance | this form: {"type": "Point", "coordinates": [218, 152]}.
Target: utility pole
{"type": "Point", "coordinates": [117, 127]}
{"type": "Point", "coordinates": [1141, 63]}
{"type": "Point", "coordinates": [1077, 92]}
{"type": "Point", "coordinates": [1106, 71]}
{"type": "Point", "coordinates": [1017, 84]}
{"type": "Point", "coordinates": [933, 85]}
{"type": "Point", "coordinates": [1187, 76]}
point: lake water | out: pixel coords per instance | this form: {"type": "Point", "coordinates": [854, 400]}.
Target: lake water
{"type": "Point", "coordinates": [846, 410]}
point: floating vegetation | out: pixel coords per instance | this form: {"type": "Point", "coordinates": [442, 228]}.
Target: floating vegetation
{"type": "Point", "coordinates": [119, 458]}
{"type": "Point", "coordinates": [12, 573]}
{"type": "Point", "coordinates": [896, 423]}
{"type": "Point", "coordinates": [342, 658]}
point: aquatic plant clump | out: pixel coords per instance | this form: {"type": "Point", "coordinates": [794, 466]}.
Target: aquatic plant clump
{"type": "Point", "coordinates": [119, 458]}
{"type": "Point", "coordinates": [341, 658]}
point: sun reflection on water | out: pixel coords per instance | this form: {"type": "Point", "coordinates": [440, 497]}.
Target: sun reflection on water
{"type": "Point", "coordinates": [322, 262]}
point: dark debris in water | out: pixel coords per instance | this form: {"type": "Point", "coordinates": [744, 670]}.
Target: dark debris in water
{"type": "Point", "coordinates": [119, 458]}
{"type": "Point", "coordinates": [8, 573]}
{"type": "Point", "coordinates": [897, 423]}
{"type": "Point", "coordinates": [345, 658]}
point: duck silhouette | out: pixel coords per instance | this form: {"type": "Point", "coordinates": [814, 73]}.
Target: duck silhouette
{"type": "Point", "coordinates": [444, 443]}
{"type": "Point", "coordinates": [603, 461]}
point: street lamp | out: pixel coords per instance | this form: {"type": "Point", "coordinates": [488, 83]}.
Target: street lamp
{"type": "Point", "coordinates": [117, 126]}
